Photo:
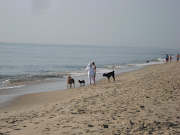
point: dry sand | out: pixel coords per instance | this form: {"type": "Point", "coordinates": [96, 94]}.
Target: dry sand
{"type": "Point", "coordinates": [141, 102]}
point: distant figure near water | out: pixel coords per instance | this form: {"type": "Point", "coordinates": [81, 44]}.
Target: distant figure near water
{"type": "Point", "coordinates": [94, 66]}
{"type": "Point", "coordinates": [167, 58]}
{"type": "Point", "coordinates": [177, 56]}
{"type": "Point", "coordinates": [90, 73]}
{"type": "Point", "coordinates": [170, 58]}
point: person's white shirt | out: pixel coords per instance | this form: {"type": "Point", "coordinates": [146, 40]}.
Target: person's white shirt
{"type": "Point", "coordinates": [90, 71]}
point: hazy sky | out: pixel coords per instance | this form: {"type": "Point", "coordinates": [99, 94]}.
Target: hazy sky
{"type": "Point", "coordinates": [91, 22]}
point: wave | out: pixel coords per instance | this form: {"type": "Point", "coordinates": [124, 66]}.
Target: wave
{"type": "Point", "coordinates": [11, 87]}
{"type": "Point", "coordinates": [146, 64]}
{"type": "Point", "coordinates": [134, 65]}
{"type": "Point", "coordinates": [6, 81]}
{"type": "Point", "coordinates": [21, 78]}
{"type": "Point", "coordinates": [119, 66]}
{"type": "Point", "coordinates": [161, 60]}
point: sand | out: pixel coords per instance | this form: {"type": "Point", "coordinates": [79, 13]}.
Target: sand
{"type": "Point", "coordinates": [141, 102]}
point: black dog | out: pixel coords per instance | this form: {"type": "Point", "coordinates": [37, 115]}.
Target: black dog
{"type": "Point", "coordinates": [108, 75]}
{"type": "Point", "coordinates": [81, 82]}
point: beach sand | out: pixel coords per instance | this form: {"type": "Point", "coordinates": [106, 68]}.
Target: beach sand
{"type": "Point", "coordinates": [141, 102]}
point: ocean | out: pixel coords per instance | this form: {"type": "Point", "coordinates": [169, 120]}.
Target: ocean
{"type": "Point", "coordinates": [52, 64]}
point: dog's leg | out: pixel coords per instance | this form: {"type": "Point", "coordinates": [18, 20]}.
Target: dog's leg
{"type": "Point", "coordinates": [109, 79]}
{"type": "Point", "coordinates": [113, 77]}
{"type": "Point", "coordinates": [70, 85]}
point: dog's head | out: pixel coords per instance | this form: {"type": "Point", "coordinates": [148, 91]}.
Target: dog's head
{"type": "Point", "coordinates": [69, 79]}
{"type": "Point", "coordinates": [104, 74]}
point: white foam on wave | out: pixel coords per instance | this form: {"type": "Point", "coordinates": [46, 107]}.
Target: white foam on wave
{"type": "Point", "coordinates": [6, 81]}
{"type": "Point", "coordinates": [145, 64]}
{"type": "Point", "coordinates": [103, 70]}
{"type": "Point", "coordinates": [78, 73]}
{"type": "Point", "coordinates": [161, 60]}
{"type": "Point", "coordinates": [110, 66]}
{"type": "Point", "coordinates": [11, 87]}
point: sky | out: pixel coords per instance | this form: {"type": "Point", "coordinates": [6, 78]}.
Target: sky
{"type": "Point", "coordinates": [147, 23]}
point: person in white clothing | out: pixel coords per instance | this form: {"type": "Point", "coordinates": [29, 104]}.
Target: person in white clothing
{"type": "Point", "coordinates": [90, 73]}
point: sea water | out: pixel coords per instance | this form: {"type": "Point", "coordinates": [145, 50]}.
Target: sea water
{"type": "Point", "coordinates": [39, 62]}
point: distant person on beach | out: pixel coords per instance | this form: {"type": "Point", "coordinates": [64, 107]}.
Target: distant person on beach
{"type": "Point", "coordinates": [167, 58]}
{"type": "Point", "coordinates": [94, 66]}
{"type": "Point", "coordinates": [177, 56]}
{"type": "Point", "coordinates": [90, 73]}
{"type": "Point", "coordinates": [170, 58]}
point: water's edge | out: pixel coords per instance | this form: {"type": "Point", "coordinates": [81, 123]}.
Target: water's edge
{"type": "Point", "coordinates": [8, 98]}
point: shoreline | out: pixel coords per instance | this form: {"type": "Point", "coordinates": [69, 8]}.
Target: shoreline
{"type": "Point", "coordinates": [144, 101]}
{"type": "Point", "coordinates": [18, 99]}
{"type": "Point", "coordinates": [40, 87]}
{"type": "Point", "coordinates": [8, 95]}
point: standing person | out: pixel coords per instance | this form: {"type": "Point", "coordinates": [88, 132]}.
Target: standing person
{"type": "Point", "coordinates": [170, 58]}
{"type": "Point", "coordinates": [94, 66]}
{"type": "Point", "coordinates": [177, 56]}
{"type": "Point", "coordinates": [90, 73]}
{"type": "Point", "coordinates": [167, 58]}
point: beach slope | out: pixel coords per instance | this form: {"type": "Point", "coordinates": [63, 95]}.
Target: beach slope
{"type": "Point", "coordinates": [141, 102]}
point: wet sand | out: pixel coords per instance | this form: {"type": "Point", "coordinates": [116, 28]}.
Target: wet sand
{"type": "Point", "coordinates": [141, 102]}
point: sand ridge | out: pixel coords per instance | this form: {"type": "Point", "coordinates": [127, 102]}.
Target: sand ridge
{"type": "Point", "coordinates": [141, 102]}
